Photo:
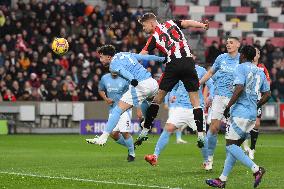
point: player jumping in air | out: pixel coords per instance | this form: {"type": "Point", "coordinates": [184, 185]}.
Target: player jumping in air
{"type": "Point", "coordinates": [223, 70]}
{"type": "Point", "coordinates": [111, 89]}
{"type": "Point", "coordinates": [169, 39]}
{"type": "Point", "coordinates": [181, 116]}
{"type": "Point", "coordinates": [249, 81]}
{"type": "Point", "coordinates": [142, 87]}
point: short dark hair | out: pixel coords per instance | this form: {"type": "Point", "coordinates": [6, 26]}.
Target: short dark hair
{"type": "Point", "coordinates": [147, 16]}
{"type": "Point", "coordinates": [232, 37]}
{"type": "Point", "coordinates": [107, 50]}
{"type": "Point", "coordinates": [249, 52]}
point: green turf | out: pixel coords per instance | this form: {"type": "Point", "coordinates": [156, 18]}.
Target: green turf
{"type": "Point", "coordinates": [179, 165]}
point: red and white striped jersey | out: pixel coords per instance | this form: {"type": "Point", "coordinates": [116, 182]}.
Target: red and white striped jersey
{"type": "Point", "coordinates": [264, 69]}
{"type": "Point", "coordinates": [170, 40]}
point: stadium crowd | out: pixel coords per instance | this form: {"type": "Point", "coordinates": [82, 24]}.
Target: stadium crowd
{"type": "Point", "coordinates": [30, 71]}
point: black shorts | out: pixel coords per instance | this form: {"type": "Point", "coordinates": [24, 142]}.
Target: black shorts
{"type": "Point", "coordinates": [182, 69]}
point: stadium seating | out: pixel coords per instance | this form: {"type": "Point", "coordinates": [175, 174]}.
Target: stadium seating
{"type": "Point", "coordinates": [265, 20]}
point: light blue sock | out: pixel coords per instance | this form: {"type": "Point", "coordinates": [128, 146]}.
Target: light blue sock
{"type": "Point", "coordinates": [240, 155]}
{"type": "Point", "coordinates": [229, 163]}
{"type": "Point", "coordinates": [121, 140]}
{"type": "Point", "coordinates": [162, 142]}
{"type": "Point", "coordinates": [212, 141]}
{"type": "Point", "coordinates": [113, 119]}
{"type": "Point", "coordinates": [178, 134]}
{"type": "Point", "coordinates": [204, 150]}
{"type": "Point", "coordinates": [144, 107]}
{"type": "Point", "coordinates": [130, 146]}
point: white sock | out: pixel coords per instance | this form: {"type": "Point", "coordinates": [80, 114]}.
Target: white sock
{"type": "Point", "coordinates": [144, 131]}
{"type": "Point", "coordinates": [200, 135]}
{"type": "Point", "coordinates": [210, 158]}
{"type": "Point", "coordinates": [223, 178]}
{"type": "Point", "coordinates": [245, 144]}
{"type": "Point", "coordinates": [105, 134]}
{"type": "Point", "coordinates": [255, 168]}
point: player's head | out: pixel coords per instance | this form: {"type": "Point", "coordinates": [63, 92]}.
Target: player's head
{"type": "Point", "coordinates": [248, 53]}
{"type": "Point", "coordinates": [233, 44]}
{"type": "Point", "coordinates": [149, 22]}
{"type": "Point", "coordinates": [257, 56]}
{"type": "Point", "coordinates": [106, 53]}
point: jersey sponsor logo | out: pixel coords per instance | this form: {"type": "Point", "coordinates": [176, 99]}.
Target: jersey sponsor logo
{"type": "Point", "coordinates": [228, 68]}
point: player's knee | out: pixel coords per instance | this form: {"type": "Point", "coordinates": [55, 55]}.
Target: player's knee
{"type": "Point", "coordinates": [115, 135]}
{"type": "Point", "coordinates": [158, 99]}
{"type": "Point", "coordinates": [214, 127]}
{"type": "Point", "coordinates": [123, 106]}
{"type": "Point", "coordinates": [170, 128]}
{"type": "Point", "coordinates": [126, 135]}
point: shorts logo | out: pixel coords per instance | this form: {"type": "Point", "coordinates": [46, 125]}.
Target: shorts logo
{"type": "Point", "coordinates": [127, 124]}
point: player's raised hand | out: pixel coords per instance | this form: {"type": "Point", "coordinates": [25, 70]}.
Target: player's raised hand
{"type": "Point", "coordinates": [206, 24]}
{"type": "Point", "coordinates": [109, 101]}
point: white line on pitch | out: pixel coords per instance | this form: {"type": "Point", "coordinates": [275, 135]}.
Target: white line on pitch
{"type": "Point", "coordinates": [84, 180]}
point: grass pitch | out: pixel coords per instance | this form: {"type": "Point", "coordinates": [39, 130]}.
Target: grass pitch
{"type": "Point", "coordinates": [66, 161]}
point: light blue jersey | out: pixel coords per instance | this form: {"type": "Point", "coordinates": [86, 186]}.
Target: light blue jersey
{"type": "Point", "coordinates": [113, 87]}
{"type": "Point", "coordinates": [179, 97]}
{"type": "Point", "coordinates": [254, 81]}
{"type": "Point", "coordinates": [127, 66]}
{"type": "Point", "coordinates": [224, 68]}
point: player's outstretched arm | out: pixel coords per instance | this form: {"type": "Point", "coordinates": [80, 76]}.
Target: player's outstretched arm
{"type": "Point", "coordinates": [195, 24]}
{"type": "Point", "coordinates": [207, 76]}
{"type": "Point", "coordinates": [148, 57]}
{"type": "Point", "coordinates": [143, 52]}
{"type": "Point", "coordinates": [115, 67]}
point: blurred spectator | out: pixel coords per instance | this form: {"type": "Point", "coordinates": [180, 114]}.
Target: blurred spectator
{"type": "Point", "coordinates": [30, 70]}
{"type": "Point", "coordinates": [34, 81]}
{"type": "Point", "coordinates": [213, 51]}
{"type": "Point", "coordinates": [24, 61]}
{"type": "Point", "coordinates": [9, 96]}
{"type": "Point", "coordinates": [16, 90]}
{"type": "Point", "coordinates": [42, 91]}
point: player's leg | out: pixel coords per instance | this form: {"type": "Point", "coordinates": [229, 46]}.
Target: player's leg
{"type": "Point", "coordinates": [145, 91]}
{"type": "Point", "coordinates": [218, 106]}
{"type": "Point", "coordinates": [179, 140]}
{"type": "Point", "coordinates": [153, 109]}
{"type": "Point", "coordinates": [129, 143]}
{"type": "Point", "coordinates": [234, 138]}
{"type": "Point", "coordinates": [190, 80]}
{"type": "Point", "coordinates": [198, 117]}
{"type": "Point", "coordinates": [161, 144]}
{"type": "Point", "coordinates": [113, 119]}
{"type": "Point", "coordinates": [118, 138]}
{"type": "Point", "coordinates": [168, 81]}
{"type": "Point", "coordinates": [204, 150]}
{"type": "Point", "coordinates": [254, 137]}
{"type": "Point", "coordinates": [124, 127]}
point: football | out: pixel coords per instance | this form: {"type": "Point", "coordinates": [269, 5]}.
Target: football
{"type": "Point", "coordinates": [59, 46]}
